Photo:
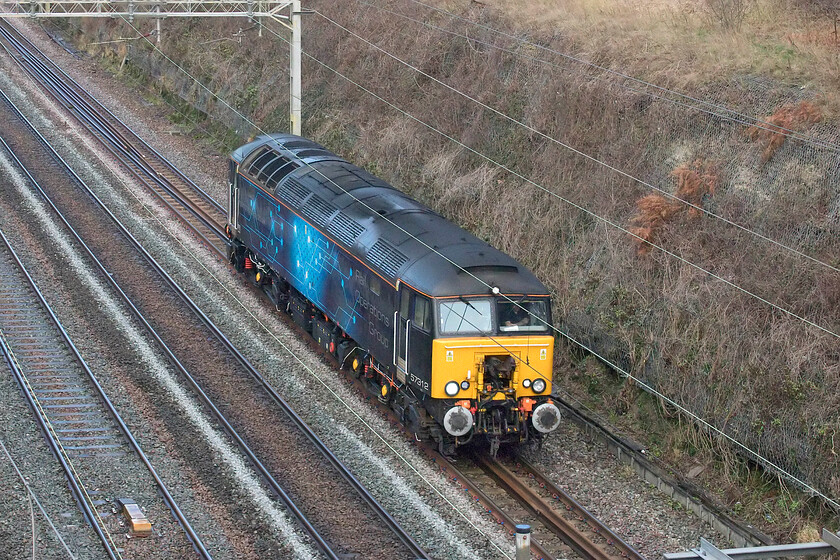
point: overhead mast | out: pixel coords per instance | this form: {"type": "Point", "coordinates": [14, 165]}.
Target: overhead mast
{"type": "Point", "coordinates": [295, 113]}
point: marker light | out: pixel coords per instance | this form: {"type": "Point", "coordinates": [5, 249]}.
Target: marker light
{"type": "Point", "coordinates": [526, 383]}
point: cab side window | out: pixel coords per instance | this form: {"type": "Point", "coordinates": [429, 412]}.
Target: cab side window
{"type": "Point", "coordinates": [422, 313]}
{"type": "Point", "coordinates": [405, 301]}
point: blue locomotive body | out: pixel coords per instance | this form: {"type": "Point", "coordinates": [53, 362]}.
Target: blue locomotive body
{"type": "Point", "coordinates": [338, 285]}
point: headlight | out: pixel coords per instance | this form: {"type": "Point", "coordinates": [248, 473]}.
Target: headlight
{"type": "Point", "coordinates": [465, 385]}
{"type": "Point", "coordinates": [526, 383]}
{"type": "Point", "coordinates": [539, 385]}
{"type": "Point", "coordinates": [451, 388]}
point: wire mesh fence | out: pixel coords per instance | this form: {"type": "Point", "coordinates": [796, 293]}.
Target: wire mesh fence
{"type": "Point", "coordinates": [729, 305]}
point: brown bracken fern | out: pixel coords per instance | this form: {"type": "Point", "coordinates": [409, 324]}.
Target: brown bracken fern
{"type": "Point", "coordinates": [653, 211]}
{"type": "Point", "coordinates": [786, 119]}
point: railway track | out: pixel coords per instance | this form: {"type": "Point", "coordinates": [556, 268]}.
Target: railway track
{"type": "Point", "coordinates": [519, 493]}
{"type": "Point", "coordinates": [681, 490]}
{"type": "Point", "coordinates": [559, 512]}
{"type": "Point", "coordinates": [82, 427]}
{"type": "Point", "coordinates": [175, 190]}
{"type": "Point", "coordinates": [383, 518]}
{"type": "Point", "coordinates": [164, 180]}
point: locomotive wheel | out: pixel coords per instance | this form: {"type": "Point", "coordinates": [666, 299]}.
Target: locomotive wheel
{"type": "Point", "coordinates": [446, 447]}
{"type": "Point", "coordinates": [237, 257]}
{"type": "Point", "coordinates": [276, 294]}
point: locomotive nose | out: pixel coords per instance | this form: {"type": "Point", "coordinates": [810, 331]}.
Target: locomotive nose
{"type": "Point", "coordinates": [546, 417]}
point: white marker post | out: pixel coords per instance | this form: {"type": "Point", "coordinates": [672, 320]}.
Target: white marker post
{"type": "Point", "coordinates": [523, 542]}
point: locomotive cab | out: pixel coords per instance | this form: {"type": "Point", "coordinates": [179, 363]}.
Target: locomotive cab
{"type": "Point", "coordinates": [492, 356]}
{"type": "Point", "coordinates": [482, 365]}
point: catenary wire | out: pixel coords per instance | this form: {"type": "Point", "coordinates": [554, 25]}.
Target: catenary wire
{"type": "Point", "coordinates": [574, 204]}
{"type": "Point", "coordinates": [623, 372]}
{"type": "Point", "coordinates": [738, 116]}
{"type": "Point", "coordinates": [571, 339]}
{"type": "Point", "coordinates": [32, 521]}
{"type": "Point", "coordinates": [580, 152]}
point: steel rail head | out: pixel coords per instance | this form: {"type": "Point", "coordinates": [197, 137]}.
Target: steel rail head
{"type": "Point", "coordinates": [8, 29]}
{"type": "Point", "coordinates": [627, 550]}
{"type": "Point", "coordinates": [52, 441]}
{"type": "Point", "coordinates": [566, 530]}
{"type": "Point", "coordinates": [90, 114]}
{"type": "Point", "coordinates": [263, 472]}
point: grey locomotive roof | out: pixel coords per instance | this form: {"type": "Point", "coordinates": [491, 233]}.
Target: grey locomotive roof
{"type": "Point", "coordinates": [400, 237]}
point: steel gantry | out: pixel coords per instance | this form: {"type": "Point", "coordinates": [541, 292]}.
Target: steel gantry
{"type": "Point", "coordinates": [830, 544]}
{"type": "Point", "coordinates": [285, 12]}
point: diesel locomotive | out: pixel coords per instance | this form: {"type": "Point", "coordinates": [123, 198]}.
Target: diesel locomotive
{"type": "Point", "coordinates": [450, 332]}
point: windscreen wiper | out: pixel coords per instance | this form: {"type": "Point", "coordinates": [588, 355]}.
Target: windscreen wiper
{"type": "Point", "coordinates": [468, 303]}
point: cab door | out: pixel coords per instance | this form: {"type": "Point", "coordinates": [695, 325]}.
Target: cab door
{"type": "Point", "coordinates": [402, 323]}
{"type": "Point", "coordinates": [413, 339]}
{"type": "Point", "coordinates": [420, 343]}
{"type": "Point", "coordinates": [233, 197]}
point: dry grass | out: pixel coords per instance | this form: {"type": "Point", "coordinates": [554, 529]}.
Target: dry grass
{"type": "Point", "coordinates": [675, 42]}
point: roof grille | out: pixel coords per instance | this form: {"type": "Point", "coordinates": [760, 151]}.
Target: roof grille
{"type": "Point", "coordinates": [345, 229]}
{"type": "Point", "coordinates": [312, 152]}
{"type": "Point", "coordinates": [292, 192]}
{"type": "Point", "coordinates": [386, 257]}
{"type": "Point", "coordinates": [318, 209]}
{"type": "Point", "coordinates": [294, 144]}
{"type": "Point", "coordinates": [487, 269]}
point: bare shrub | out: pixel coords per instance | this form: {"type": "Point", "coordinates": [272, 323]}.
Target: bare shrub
{"type": "Point", "coordinates": [654, 211]}
{"type": "Point", "coordinates": [729, 14]}
{"type": "Point", "coordinates": [787, 118]}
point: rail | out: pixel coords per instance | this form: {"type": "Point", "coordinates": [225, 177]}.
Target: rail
{"type": "Point", "coordinates": [163, 179]}
{"type": "Point", "coordinates": [52, 437]}
{"type": "Point", "coordinates": [343, 471]}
